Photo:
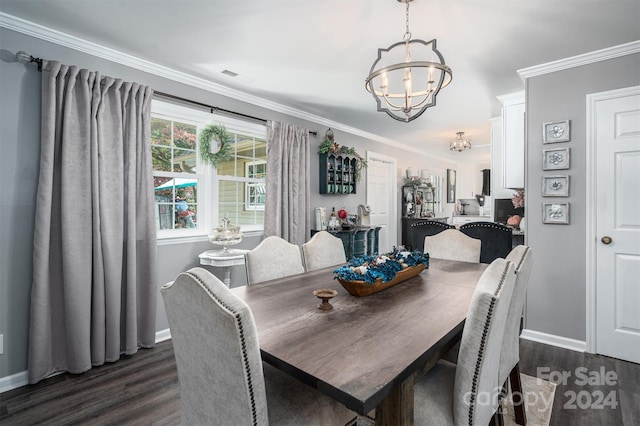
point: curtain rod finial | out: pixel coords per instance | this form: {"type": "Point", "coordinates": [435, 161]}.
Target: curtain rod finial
{"type": "Point", "coordinates": [23, 57]}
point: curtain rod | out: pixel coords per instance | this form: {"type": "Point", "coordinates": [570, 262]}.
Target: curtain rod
{"type": "Point", "coordinates": [216, 109]}
{"type": "Point", "coordinates": [25, 58]}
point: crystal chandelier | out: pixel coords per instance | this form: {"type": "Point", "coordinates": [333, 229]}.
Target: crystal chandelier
{"type": "Point", "coordinates": [405, 89]}
{"type": "Point", "coordinates": [460, 143]}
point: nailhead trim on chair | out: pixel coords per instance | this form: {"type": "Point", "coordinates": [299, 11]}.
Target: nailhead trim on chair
{"type": "Point", "coordinates": [483, 341]}
{"type": "Point", "coordinates": [484, 225]}
{"type": "Point", "coordinates": [245, 357]}
{"type": "Point", "coordinates": [432, 222]}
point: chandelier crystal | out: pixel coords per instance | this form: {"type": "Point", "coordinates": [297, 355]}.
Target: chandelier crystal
{"type": "Point", "coordinates": [460, 143]}
{"type": "Point", "coordinates": [405, 89]}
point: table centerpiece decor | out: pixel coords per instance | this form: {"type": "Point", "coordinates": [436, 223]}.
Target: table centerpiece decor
{"type": "Point", "coordinates": [366, 275]}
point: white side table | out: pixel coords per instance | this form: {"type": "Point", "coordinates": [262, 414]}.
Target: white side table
{"type": "Point", "coordinates": [216, 259]}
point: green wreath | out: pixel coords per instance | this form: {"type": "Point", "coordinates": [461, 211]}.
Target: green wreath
{"type": "Point", "coordinates": [206, 137]}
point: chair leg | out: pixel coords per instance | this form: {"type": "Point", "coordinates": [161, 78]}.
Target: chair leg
{"type": "Point", "coordinates": [497, 419]}
{"type": "Point", "coordinates": [518, 396]}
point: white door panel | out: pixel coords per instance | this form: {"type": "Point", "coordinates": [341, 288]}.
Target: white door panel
{"type": "Point", "coordinates": [381, 195]}
{"type": "Point", "coordinates": [617, 138]}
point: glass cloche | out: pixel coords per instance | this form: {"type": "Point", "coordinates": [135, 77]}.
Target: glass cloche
{"type": "Point", "coordinates": [225, 235]}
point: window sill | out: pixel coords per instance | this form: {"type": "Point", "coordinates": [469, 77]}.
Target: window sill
{"type": "Point", "coordinates": [166, 240]}
{"type": "Point", "coordinates": [182, 239]}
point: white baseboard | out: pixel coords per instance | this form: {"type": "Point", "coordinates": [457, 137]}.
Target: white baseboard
{"type": "Point", "coordinates": [553, 340]}
{"type": "Point", "coordinates": [163, 335]}
{"type": "Point", "coordinates": [14, 381]}
{"type": "Point", "coordinates": [22, 378]}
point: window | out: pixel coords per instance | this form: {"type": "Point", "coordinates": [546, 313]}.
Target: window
{"type": "Point", "coordinates": [174, 159]}
{"type": "Point", "coordinates": [191, 196]}
{"type": "Point", "coordinates": [255, 192]}
{"type": "Point", "coordinates": [241, 180]}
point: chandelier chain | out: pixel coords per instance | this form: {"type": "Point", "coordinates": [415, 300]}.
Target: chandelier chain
{"type": "Point", "coordinates": [407, 34]}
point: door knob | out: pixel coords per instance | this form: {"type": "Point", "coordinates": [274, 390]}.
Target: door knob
{"type": "Point", "coordinates": [606, 240]}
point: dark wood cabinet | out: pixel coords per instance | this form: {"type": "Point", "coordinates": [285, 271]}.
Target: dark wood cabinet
{"type": "Point", "coordinates": [337, 173]}
{"type": "Point", "coordinates": [357, 241]}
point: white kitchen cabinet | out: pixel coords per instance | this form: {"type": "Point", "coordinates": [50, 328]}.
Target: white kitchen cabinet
{"type": "Point", "coordinates": [513, 121]}
{"type": "Point", "coordinates": [461, 220]}
{"type": "Point", "coordinates": [497, 190]}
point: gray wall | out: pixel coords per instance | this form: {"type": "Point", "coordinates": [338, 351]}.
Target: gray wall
{"type": "Point", "coordinates": [557, 291]}
{"type": "Point", "coordinates": [19, 163]}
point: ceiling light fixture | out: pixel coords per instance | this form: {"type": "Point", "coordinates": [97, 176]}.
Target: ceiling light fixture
{"type": "Point", "coordinates": [407, 88]}
{"type": "Point", "coordinates": [460, 143]}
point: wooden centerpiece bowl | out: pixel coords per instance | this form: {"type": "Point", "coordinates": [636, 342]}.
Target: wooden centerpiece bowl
{"type": "Point", "coordinates": [361, 288]}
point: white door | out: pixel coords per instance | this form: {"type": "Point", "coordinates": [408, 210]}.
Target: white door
{"type": "Point", "coordinates": [381, 197]}
{"type": "Point", "coordinates": [617, 173]}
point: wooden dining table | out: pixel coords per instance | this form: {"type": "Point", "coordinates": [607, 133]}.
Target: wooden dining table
{"type": "Point", "coordinates": [366, 352]}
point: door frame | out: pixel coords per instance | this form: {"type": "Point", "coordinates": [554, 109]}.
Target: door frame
{"type": "Point", "coordinates": [591, 207]}
{"type": "Point", "coordinates": [393, 193]}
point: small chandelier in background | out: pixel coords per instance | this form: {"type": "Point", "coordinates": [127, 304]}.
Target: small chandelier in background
{"type": "Point", "coordinates": [405, 89]}
{"type": "Point", "coordinates": [460, 143]}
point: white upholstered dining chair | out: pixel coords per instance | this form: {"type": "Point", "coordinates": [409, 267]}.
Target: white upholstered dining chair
{"type": "Point", "coordinates": [452, 244]}
{"type": "Point", "coordinates": [467, 393]}
{"type": "Point", "coordinates": [272, 258]}
{"type": "Point", "coordinates": [222, 377]}
{"type": "Point", "coordinates": [522, 258]}
{"type": "Point", "coordinates": [323, 250]}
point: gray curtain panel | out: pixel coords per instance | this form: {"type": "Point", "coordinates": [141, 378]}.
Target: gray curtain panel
{"type": "Point", "coordinates": [94, 257]}
{"type": "Point", "coordinates": [286, 212]}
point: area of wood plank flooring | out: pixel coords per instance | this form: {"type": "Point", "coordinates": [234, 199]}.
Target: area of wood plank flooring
{"type": "Point", "coordinates": [143, 389]}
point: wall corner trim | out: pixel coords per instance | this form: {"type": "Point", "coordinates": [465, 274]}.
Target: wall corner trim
{"type": "Point", "coordinates": [579, 60]}
{"type": "Point", "coordinates": [554, 340]}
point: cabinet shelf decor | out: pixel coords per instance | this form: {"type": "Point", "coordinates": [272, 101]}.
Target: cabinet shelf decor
{"type": "Point", "coordinates": [337, 173]}
{"type": "Point", "coordinates": [420, 201]}
{"type": "Point", "coordinates": [340, 166]}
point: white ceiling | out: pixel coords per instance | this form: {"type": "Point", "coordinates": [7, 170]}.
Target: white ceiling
{"type": "Point", "coordinates": [315, 55]}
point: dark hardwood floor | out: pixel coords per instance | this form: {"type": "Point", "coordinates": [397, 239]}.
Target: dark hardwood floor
{"type": "Point", "coordinates": [590, 378]}
{"type": "Point", "coordinates": [143, 390]}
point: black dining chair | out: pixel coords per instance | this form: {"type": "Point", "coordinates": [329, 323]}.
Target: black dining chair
{"type": "Point", "coordinates": [496, 239]}
{"type": "Point", "coordinates": [425, 228]}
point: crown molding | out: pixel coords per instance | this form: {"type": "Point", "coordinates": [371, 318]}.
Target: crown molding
{"type": "Point", "coordinates": [579, 60]}
{"type": "Point", "coordinates": [512, 98]}
{"type": "Point", "coordinates": [23, 26]}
